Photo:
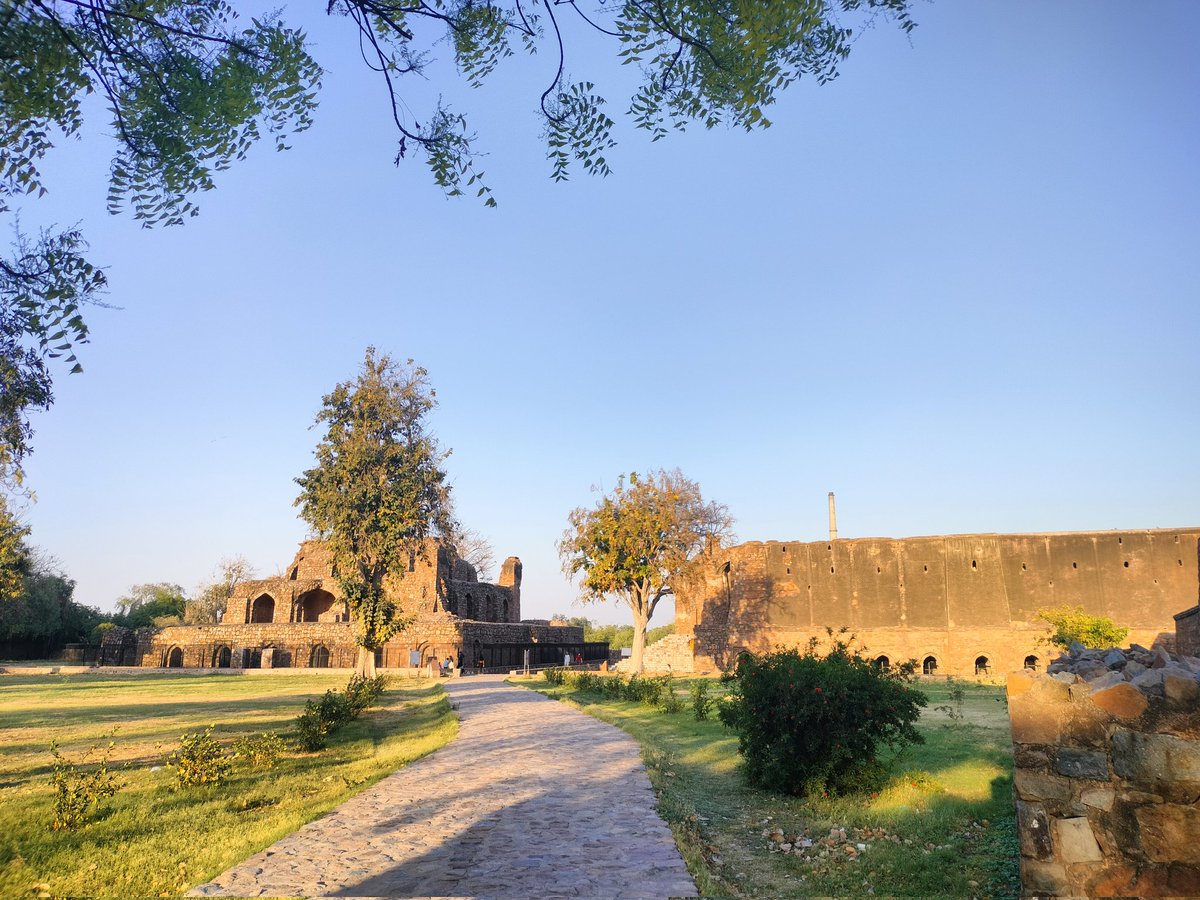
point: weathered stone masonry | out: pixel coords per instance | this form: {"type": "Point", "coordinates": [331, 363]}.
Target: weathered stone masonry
{"type": "Point", "coordinates": [961, 604]}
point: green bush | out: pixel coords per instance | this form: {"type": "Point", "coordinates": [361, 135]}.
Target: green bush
{"type": "Point", "coordinates": [200, 759]}
{"type": "Point", "coordinates": [262, 751]}
{"type": "Point", "coordinates": [701, 702]}
{"type": "Point", "coordinates": [1073, 626]}
{"type": "Point", "coordinates": [321, 718]}
{"type": "Point", "coordinates": [554, 675]}
{"type": "Point", "coordinates": [312, 731]}
{"type": "Point", "coordinates": [362, 693]}
{"type": "Point", "coordinates": [670, 701]}
{"type": "Point", "coordinates": [78, 787]}
{"type": "Point", "coordinates": [809, 723]}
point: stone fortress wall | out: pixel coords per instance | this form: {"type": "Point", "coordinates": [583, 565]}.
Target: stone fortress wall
{"type": "Point", "coordinates": [959, 604]}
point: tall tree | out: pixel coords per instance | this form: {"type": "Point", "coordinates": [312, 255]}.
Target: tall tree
{"type": "Point", "coordinates": [636, 542]}
{"type": "Point", "coordinates": [377, 490]}
{"type": "Point", "coordinates": [156, 603]}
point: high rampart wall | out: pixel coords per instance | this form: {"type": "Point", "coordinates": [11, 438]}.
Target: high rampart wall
{"type": "Point", "coordinates": [954, 600]}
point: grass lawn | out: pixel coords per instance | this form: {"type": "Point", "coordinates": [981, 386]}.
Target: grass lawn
{"type": "Point", "coordinates": [151, 839]}
{"type": "Point", "coordinates": [943, 826]}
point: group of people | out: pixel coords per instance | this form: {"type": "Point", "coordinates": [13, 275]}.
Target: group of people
{"type": "Point", "coordinates": [448, 665]}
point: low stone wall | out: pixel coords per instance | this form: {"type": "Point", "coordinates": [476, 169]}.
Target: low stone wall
{"type": "Point", "coordinates": [1106, 746]}
{"type": "Point", "coordinates": [673, 653]}
{"type": "Point", "coordinates": [1187, 631]}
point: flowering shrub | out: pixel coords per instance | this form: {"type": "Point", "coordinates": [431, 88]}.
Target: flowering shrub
{"type": "Point", "coordinates": [811, 723]}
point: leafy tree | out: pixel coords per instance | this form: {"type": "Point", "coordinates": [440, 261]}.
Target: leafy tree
{"type": "Point", "coordinates": [377, 490]}
{"type": "Point", "coordinates": [638, 540]}
{"type": "Point", "coordinates": [190, 87]}
{"type": "Point", "coordinates": [1074, 626]}
{"type": "Point", "coordinates": [208, 605]}
{"type": "Point", "coordinates": [158, 603]}
{"type": "Point", "coordinates": [13, 561]}
{"type": "Point", "coordinates": [43, 615]}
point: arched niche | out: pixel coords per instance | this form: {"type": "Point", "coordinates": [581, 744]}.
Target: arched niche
{"type": "Point", "coordinates": [262, 610]}
{"type": "Point", "coordinates": [315, 606]}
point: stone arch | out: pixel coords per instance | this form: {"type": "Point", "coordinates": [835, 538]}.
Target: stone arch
{"type": "Point", "coordinates": [1031, 662]}
{"type": "Point", "coordinates": [315, 606]}
{"type": "Point", "coordinates": [882, 663]}
{"type": "Point", "coordinates": [983, 664]}
{"type": "Point", "coordinates": [929, 665]}
{"type": "Point", "coordinates": [318, 658]}
{"type": "Point", "coordinates": [175, 658]}
{"type": "Point", "coordinates": [503, 609]}
{"type": "Point", "coordinates": [262, 610]}
{"type": "Point", "coordinates": [468, 608]}
{"type": "Point", "coordinates": [222, 657]}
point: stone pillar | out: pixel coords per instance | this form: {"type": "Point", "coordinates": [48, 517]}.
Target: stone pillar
{"type": "Point", "coordinates": [832, 519]}
{"type": "Point", "coordinates": [510, 577]}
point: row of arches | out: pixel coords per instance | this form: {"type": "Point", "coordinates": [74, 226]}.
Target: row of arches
{"type": "Point", "coordinates": [310, 607]}
{"type": "Point", "coordinates": [319, 657]}
{"type": "Point", "coordinates": [929, 665]}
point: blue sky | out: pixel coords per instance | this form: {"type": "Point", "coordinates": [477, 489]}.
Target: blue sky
{"type": "Point", "coordinates": [958, 286]}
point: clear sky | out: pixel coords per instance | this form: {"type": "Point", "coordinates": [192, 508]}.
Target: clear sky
{"type": "Point", "coordinates": [958, 286]}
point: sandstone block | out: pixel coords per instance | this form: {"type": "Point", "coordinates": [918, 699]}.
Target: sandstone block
{"type": "Point", "coordinates": [1155, 757]}
{"type": "Point", "coordinates": [1082, 764]}
{"type": "Point", "coordinates": [1170, 833]}
{"type": "Point", "coordinates": [1113, 881]}
{"type": "Point", "coordinates": [1099, 798]}
{"type": "Point", "coordinates": [1033, 831]}
{"type": "Point", "coordinates": [1076, 842]}
{"type": "Point", "coordinates": [1035, 708]}
{"type": "Point", "coordinates": [1180, 688]}
{"type": "Point", "coordinates": [1106, 680]}
{"type": "Point", "coordinates": [1027, 757]}
{"type": "Point", "coordinates": [1121, 700]}
{"type": "Point", "coordinates": [1034, 786]}
{"type": "Point", "coordinates": [1044, 878]}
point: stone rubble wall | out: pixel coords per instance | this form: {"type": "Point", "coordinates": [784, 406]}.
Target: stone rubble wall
{"type": "Point", "coordinates": [1106, 747]}
{"type": "Point", "coordinates": [1187, 632]}
{"type": "Point", "coordinates": [673, 654]}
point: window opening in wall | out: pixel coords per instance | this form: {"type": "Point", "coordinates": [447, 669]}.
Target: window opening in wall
{"type": "Point", "coordinates": [1023, 568]}
{"type": "Point", "coordinates": [1031, 663]}
{"type": "Point", "coordinates": [1074, 565]}
{"type": "Point", "coordinates": [878, 570]}
{"type": "Point", "coordinates": [1127, 564]}
{"type": "Point", "coordinates": [262, 610]}
{"type": "Point", "coordinates": [926, 568]}
{"type": "Point", "coordinates": [973, 566]}
{"type": "Point", "coordinates": [319, 657]}
{"type": "Point", "coordinates": [222, 657]}
{"type": "Point", "coordinates": [789, 570]}
{"type": "Point", "coordinates": [831, 570]}
{"type": "Point", "coordinates": [1120, 540]}
{"type": "Point", "coordinates": [829, 546]}
{"type": "Point", "coordinates": [1181, 562]}
{"type": "Point", "coordinates": [929, 666]}
{"type": "Point", "coordinates": [175, 658]}
{"type": "Point", "coordinates": [981, 665]}
{"type": "Point", "coordinates": [882, 663]}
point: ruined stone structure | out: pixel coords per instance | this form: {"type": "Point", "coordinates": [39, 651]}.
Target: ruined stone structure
{"type": "Point", "coordinates": [1106, 752]}
{"type": "Point", "coordinates": [958, 605]}
{"type": "Point", "coordinates": [300, 619]}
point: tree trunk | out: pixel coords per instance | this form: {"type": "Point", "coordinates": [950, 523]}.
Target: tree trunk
{"type": "Point", "coordinates": [366, 662]}
{"type": "Point", "coordinates": [640, 622]}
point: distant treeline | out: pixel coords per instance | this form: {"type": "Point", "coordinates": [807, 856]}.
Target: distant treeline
{"type": "Point", "coordinates": [619, 637]}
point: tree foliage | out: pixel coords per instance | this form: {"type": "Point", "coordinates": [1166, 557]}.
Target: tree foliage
{"type": "Point", "coordinates": [1074, 626]}
{"type": "Point", "coordinates": [638, 540]}
{"type": "Point", "coordinates": [377, 490]}
{"type": "Point", "coordinates": [206, 607]}
{"type": "Point", "coordinates": [156, 603]}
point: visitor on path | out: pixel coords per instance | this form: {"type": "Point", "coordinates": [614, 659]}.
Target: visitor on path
{"type": "Point", "coordinates": [481, 664]}
{"type": "Point", "coordinates": [579, 659]}
{"type": "Point", "coordinates": [567, 658]}
{"type": "Point", "coordinates": [446, 664]}
{"type": "Point", "coordinates": [460, 661]}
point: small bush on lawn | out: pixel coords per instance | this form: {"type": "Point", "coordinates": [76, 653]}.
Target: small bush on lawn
{"type": "Point", "coordinates": [670, 700]}
{"type": "Point", "coordinates": [701, 702]}
{"type": "Point", "coordinates": [77, 787]}
{"type": "Point", "coordinates": [335, 709]}
{"type": "Point", "coordinates": [200, 760]}
{"type": "Point", "coordinates": [262, 751]}
{"type": "Point", "coordinates": [554, 675]}
{"type": "Point", "coordinates": [809, 723]}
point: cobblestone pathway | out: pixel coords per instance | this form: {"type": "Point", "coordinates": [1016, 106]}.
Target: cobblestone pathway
{"type": "Point", "coordinates": [532, 800]}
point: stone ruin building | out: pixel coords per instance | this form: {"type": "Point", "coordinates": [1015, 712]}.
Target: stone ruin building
{"type": "Point", "coordinates": [958, 604]}
{"type": "Point", "coordinates": [300, 620]}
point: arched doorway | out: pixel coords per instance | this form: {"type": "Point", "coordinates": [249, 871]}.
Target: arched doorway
{"type": "Point", "coordinates": [222, 657]}
{"type": "Point", "coordinates": [314, 606]}
{"type": "Point", "coordinates": [262, 610]}
{"type": "Point", "coordinates": [1031, 662]}
{"type": "Point", "coordinates": [929, 666]}
{"type": "Point", "coordinates": [319, 658]}
{"type": "Point", "coordinates": [175, 658]}
{"type": "Point", "coordinates": [982, 666]}
{"type": "Point", "coordinates": [882, 663]}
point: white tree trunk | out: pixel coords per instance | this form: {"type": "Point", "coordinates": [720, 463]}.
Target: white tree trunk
{"type": "Point", "coordinates": [640, 620]}
{"type": "Point", "coordinates": [366, 662]}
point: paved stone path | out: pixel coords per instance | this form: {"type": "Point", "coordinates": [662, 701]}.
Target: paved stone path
{"type": "Point", "coordinates": [533, 799]}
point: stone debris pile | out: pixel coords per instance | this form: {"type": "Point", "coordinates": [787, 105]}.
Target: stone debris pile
{"type": "Point", "coordinates": [1153, 673]}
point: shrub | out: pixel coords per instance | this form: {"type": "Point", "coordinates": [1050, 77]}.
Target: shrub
{"type": "Point", "coordinates": [362, 693]}
{"type": "Point", "coordinates": [335, 709]}
{"type": "Point", "coordinates": [1073, 626]}
{"type": "Point", "coordinates": [78, 788]}
{"type": "Point", "coordinates": [200, 759]}
{"type": "Point", "coordinates": [670, 701]}
{"type": "Point", "coordinates": [262, 751]}
{"type": "Point", "coordinates": [312, 731]}
{"type": "Point", "coordinates": [613, 687]}
{"type": "Point", "coordinates": [810, 723]}
{"type": "Point", "coordinates": [701, 702]}
{"type": "Point", "coordinates": [554, 675]}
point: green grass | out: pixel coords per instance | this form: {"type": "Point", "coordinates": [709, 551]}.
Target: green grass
{"type": "Point", "coordinates": [151, 839]}
{"type": "Point", "coordinates": [942, 826]}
